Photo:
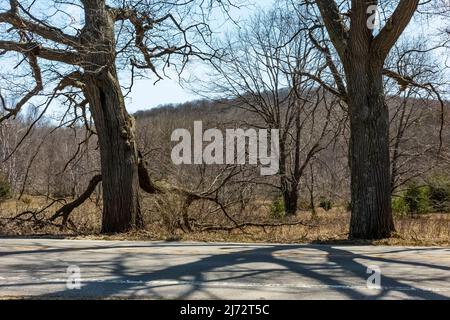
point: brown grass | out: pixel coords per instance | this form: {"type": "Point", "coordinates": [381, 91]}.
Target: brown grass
{"type": "Point", "coordinates": [327, 228]}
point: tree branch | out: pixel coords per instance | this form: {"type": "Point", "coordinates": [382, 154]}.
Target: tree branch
{"type": "Point", "coordinates": [333, 22]}
{"type": "Point", "coordinates": [49, 33]}
{"type": "Point", "coordinates": [394, 27]}
{"type": "Point", "coordinates": [12, 112]}
{"type": "Point", "coordinates": [36, 49]}
{"type": "Point", "coordinates": [66, 210]}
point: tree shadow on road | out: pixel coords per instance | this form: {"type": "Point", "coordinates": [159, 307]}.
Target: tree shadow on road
{"type": "Point", "coordinates": [234, 269]}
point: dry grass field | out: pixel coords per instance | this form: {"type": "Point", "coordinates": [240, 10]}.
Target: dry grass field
{"type": "Point", "coordinates": [325, 227]}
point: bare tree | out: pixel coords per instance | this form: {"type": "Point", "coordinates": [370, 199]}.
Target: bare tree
{"type": "Point", "coordinates": [267, 75]}
{"type": "Point", "coordinates": [415, 152]}
{"type": "Point", "coordinates": [82, 62]}
{"type": "Point", "coordinates": [362, 53]}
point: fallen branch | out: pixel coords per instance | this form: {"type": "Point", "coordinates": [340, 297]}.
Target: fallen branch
{"type": "Point", "coordinates": [37, 217]}
{"type": "Point", "coordinates": [66, 210]}
{"type": "Point", "coordinates": [251, 224]}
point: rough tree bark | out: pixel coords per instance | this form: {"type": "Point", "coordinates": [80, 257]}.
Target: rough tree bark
{"type": "Point", "coordinates": [290, 207]}
{"type": "Point", "coordinates": [363, 55]}
{"type": "Point", "coordinates": [369, 156]}
{"type": "Point", "coordinates": [289, 183]}
{"type": "Point", "coordinates": [115, 128]}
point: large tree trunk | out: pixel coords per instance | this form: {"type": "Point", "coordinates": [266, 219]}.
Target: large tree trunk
{"type": "Point", "coordinates": [363, 54]}
{"type": "Point", "coordinates": [290, 184]}
{"type": "Point", "coordinates": [288, 187]}
{"type": "Point", "coordinates": [115, 128]}
{"type": "Point", "coordinates": [119, 159]}
{"type": "Point", "coordinates": [290, 198]}
{"type": "Point", "coordinates": [369, 151]}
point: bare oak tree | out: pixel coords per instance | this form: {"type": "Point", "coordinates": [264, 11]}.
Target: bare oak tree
{"type": "Point", "coordinates": [84, 60]}
{"type": "Point", "coordinates": [362, 53]}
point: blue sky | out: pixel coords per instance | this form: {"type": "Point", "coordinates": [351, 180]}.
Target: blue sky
{"type": "Point", "coordinates": [146, 95]}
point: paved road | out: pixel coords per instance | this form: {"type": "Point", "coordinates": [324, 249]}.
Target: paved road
{"type": "Point", "coordinates": [162, 270]}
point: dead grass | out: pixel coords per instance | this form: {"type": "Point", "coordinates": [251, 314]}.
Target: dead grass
{"type": "Point", "coordinates": [327, 228]}
{"type": "Point", "coordinates": [86, 217]}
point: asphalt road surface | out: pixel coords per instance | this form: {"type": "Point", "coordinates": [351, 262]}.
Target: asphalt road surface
{"type": "Point", "coordinates": [170, 270]}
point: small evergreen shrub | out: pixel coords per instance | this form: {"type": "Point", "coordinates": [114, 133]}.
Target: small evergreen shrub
{"type": "Point", "coordinates": [326, 204]}
{"type": "Point", "coordinates": [439, 193]}
{"type": "Point", "coordinates": [399, 206]}
{"type": "Point", "coordinates": [277, 210]}
{"type": "Point", "coordinates": [417, 199]}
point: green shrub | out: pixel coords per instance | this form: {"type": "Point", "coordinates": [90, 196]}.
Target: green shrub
{"type": "Point", "coordinates": [327, 205]}
{"type": "Point", "coordinates": [5, 188]}
{"type": "Point", "coordinates": [439, 193]}
{"type": "Point", "coordinates": [417, 199]}
{"type": "Point", "coordinates": [400, 206]}
{"type": "Point", "coordinates": [277, 210]}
